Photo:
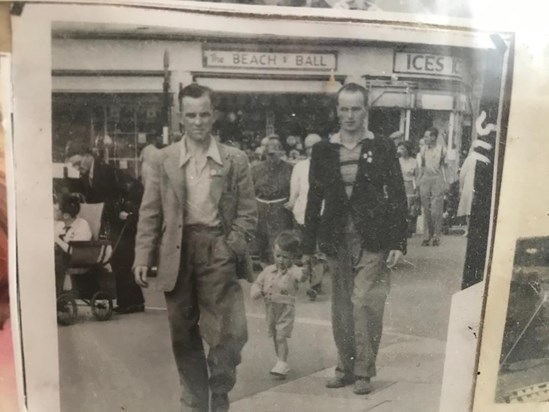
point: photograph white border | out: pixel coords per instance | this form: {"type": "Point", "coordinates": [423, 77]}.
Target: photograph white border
{"type": "Point", "coordinates": [523, 210]}
{"type": "Point", "coordinates": [32, 79]}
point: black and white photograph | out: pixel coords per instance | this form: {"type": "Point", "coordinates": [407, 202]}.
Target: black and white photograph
{"type": "Point", "coordinates": [524, 365]}
{"type": "Point", "coordinates": [252, 213]}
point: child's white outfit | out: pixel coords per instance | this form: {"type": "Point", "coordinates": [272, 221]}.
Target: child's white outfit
{"type": "Point", "coordinates": [279, 289]}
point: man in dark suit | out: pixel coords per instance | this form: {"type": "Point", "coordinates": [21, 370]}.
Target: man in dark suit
{"type": "Point", "coordinates": [362, 230]}
{"type": "Point", "coordinates": [121, 195]}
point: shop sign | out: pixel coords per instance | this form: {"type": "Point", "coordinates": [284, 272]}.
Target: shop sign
{"type": "Point", "coordinates": [269, 60]}
{"type": "Point", "coordinates": [429, 64]}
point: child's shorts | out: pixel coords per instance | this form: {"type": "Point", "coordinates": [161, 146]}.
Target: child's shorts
{"type": "Point", "coordinates": [280, 319]}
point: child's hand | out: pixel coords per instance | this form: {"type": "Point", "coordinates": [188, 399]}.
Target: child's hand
{"type": "Point", "coordinates": [256, 292]}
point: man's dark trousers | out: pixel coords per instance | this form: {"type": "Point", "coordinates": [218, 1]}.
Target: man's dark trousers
{"type": "Point", "coordinates": [207, 290]}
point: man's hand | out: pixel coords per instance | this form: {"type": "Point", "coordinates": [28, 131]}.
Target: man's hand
{"type": "Point", "coordinates": [123, 215]}
{"type": "Point", "coordinates": [140, 276]}
{"type": "Point", "coordinates": [393, 258]}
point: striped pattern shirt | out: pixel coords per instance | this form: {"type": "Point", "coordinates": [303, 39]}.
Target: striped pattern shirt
{"type": "Point", "coordinates": [348, 162]}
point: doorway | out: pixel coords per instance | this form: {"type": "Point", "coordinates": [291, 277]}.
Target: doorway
{"type": "Point", "coordinates": [384, 121]}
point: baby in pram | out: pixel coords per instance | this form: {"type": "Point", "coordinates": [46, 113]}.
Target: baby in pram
{"type": "Point", "coordinates": [68, 227]}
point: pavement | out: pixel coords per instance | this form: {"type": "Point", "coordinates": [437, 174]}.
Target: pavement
{"type": "Point", "coordinates": [125, 364]}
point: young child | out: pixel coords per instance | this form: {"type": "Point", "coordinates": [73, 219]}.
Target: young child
{"type": "Point", "coordinates": [278, 285]}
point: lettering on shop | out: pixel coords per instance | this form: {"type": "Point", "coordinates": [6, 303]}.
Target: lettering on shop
{"type": "Point", "coordinates": [431, 64]}
{"type": "Point", "coordinates": [270, 60]}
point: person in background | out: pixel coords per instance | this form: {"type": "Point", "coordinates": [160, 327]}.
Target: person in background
{"type": "Point", "coordinates": [278, 284]}
{"type": "Point", "coordinates": [362, 231]}
{"type": "Point", "coordinates": [397, 137]}
{"type": "Point", "coordinates": [121, 195]}
{"type": "Point", "coordinates": [421, 148]}
{"type": "Point", "coordinates": [68, 227]}
{"type": "Point", "coordinates": [432, 185]}
{"type": "Point", "coordinates": [467, 187]}
{"type": "Point", "coordinates": [272, 189]}
{"type": "Point", "coordinates": [409, 167]}
{"type": "Point", "coordinates": [155, 143]}
{"type": "Point", "coordinates": [262, 148]}
{"type": "Point", "coordinates": [299, 190]}
{"type": "Point", "coordinates": [198, 212]}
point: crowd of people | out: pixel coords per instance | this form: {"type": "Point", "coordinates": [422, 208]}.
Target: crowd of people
{"type": "Point", "coordinates": [203, 210]}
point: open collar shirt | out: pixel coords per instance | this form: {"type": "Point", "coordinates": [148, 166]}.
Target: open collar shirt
{"type": "Point", "coordinates": [348, 160]}
{"type": "Point", "coordinates": [199, 208]}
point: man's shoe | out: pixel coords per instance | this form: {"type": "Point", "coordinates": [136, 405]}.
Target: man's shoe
{"type": "Point", "coordinates": [312, 294]}
{"type": "Point", "coordinates": [339, 382]}
{"type": "Point", "coordinates": [436, 242]}
{"type": "Point", "coordinates": [124, 310]}
{"type": "Point", "coordinates": [220, 402]}
{"type": "Point", "coordinates": [425, 242]}
{"type": "Point", "coordinates": [363, 386]}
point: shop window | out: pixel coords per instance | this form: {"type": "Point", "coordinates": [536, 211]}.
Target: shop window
{"type": "Point", "coordinates": [383, 121]}
{"type": "Point", "coordinates": [420, 120]}
{"type": "Point", "coordinates": [247, 118]}
{"type": "Point", "coordinates": [112, 123]}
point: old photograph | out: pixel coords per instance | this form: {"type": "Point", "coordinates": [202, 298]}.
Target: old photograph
{"type": "Point", "coordinates": [460, 9]}
{"type": "Point", "coordinates": [250, 221]}
{"type": "Point", "coordinates": [524, 361]}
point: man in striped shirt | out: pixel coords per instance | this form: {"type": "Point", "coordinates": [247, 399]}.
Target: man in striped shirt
{"type": "Point", "coordinates": [362, 230]}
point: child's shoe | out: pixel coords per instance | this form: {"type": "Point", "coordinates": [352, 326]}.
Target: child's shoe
{"type": "Point", "coordinates": [280, 370]}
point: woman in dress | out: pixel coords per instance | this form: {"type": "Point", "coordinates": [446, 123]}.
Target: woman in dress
{"type": "Point", "coordinates": [409, 167]}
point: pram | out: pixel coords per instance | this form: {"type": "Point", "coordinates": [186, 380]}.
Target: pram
{"type": "Point", "coordinates": [88, 268]}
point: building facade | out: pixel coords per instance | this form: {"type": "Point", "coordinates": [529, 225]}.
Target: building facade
{"type": "Point", "coordinates": [119, 88]}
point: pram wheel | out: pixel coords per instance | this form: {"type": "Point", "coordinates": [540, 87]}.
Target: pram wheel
{"type": "Point", "coordinates": [101, 305]}
{"type": "Point", "coordinates": [66, 309]}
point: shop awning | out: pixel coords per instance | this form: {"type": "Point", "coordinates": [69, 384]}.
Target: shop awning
{"type": "Point", "coordinates": [106, 84]}
{"type": "Point", "coordinates": [229, 85]}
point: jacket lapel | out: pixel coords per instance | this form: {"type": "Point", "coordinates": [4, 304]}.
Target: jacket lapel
{"type": "Point", "coordinates": [334, 159]}
{"type": "Point", "coordinates": [175, 173]}
{"type": "Point", "coordinates": [365, 146]}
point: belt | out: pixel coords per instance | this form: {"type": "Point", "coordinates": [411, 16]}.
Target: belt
{"type": "Point", "coordinates": [284, 199]}
{"type": "Point", "coordinates": [203, 228]}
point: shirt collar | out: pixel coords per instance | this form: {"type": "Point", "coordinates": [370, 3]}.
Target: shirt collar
{"type": "Point", "coordinates": [212, 152]}
{"type": "Point", "coordinates": [336, 138]}
{"type": "Point", "coordinates": [274, 269]}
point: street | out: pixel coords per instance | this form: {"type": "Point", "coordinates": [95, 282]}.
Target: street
{"type": "Point", "coordinates": [126, 364]}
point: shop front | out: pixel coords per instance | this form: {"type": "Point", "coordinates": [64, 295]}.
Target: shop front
{"type": "Point", "coordinates": [282, 86]}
